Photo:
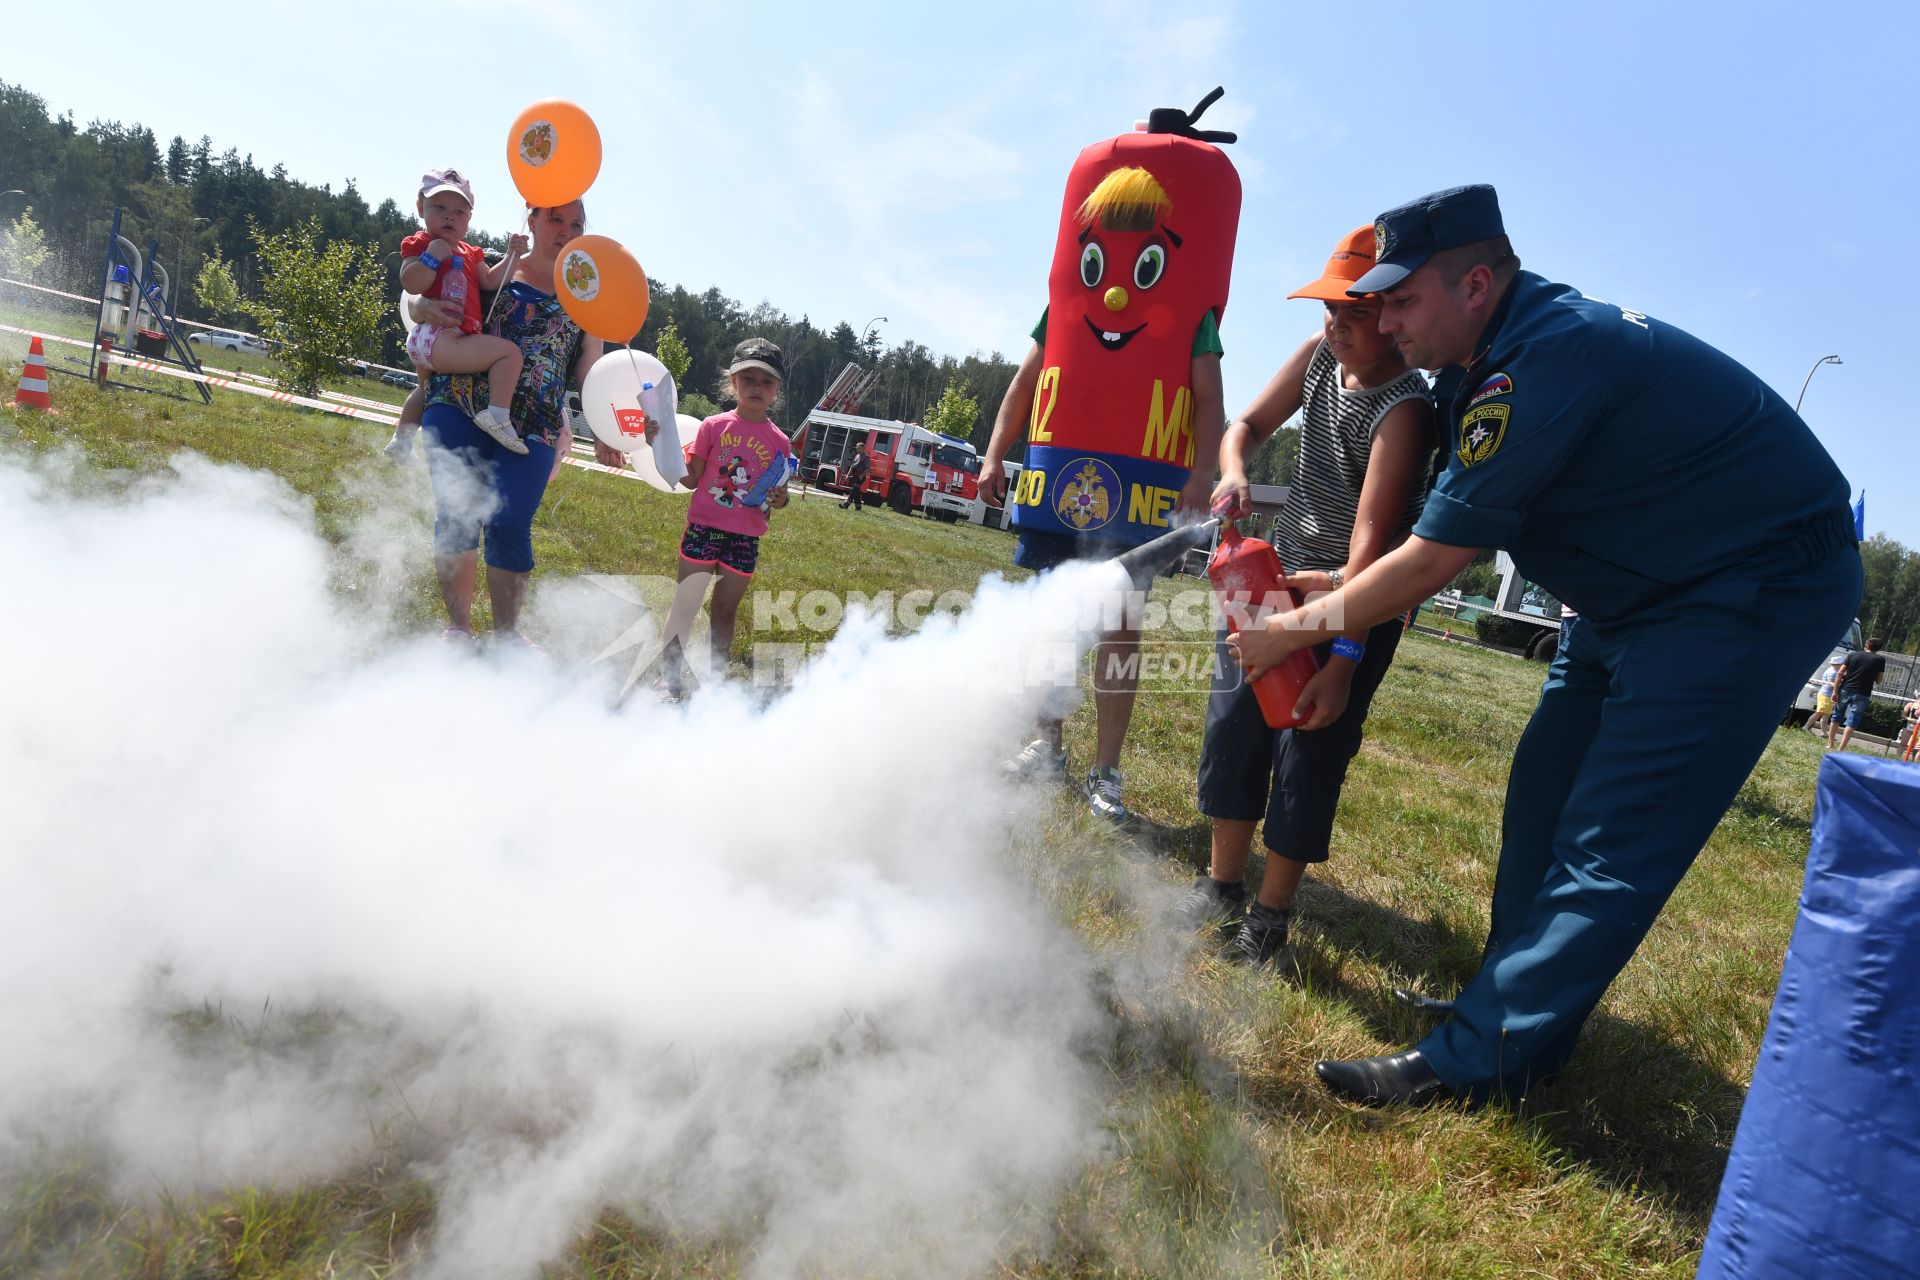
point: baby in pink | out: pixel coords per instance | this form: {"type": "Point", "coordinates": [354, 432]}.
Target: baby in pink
{"type": "Point", "coordinates": [427, 259]}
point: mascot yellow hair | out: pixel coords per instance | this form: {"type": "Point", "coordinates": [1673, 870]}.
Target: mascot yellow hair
{"type": "Point", "coordinates": [1129, 199]}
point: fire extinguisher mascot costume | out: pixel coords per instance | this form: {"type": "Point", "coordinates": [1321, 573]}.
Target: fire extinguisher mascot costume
{"type": "Point", "coordinates": [1119, 396]}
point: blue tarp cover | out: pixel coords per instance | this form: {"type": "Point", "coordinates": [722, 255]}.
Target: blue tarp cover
{"type": "Point", "coordinates": [1824, 1177]}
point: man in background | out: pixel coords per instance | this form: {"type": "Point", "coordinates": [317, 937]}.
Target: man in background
{"type": "Point", "coordinates": [1858, 674]}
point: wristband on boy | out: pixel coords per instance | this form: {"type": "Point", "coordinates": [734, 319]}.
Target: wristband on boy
{"type": "Point", "coordinates": [1351, 650]}
{"type": "Point", "coordinates": [428, 260]}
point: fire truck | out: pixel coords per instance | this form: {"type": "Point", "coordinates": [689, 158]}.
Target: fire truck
{"type": "Point", "coordinates": [913, 469]}
{"type": "Point", "coordinates": [953, 481]}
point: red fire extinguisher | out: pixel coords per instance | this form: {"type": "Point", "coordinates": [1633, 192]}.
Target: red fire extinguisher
{"type": "Point", "coordinates": [1250, 584]}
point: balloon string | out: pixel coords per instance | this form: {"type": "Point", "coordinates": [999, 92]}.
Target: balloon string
{"type": "Point", "coordinates": [505, 280]}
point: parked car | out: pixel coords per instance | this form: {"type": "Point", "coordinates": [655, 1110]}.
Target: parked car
{"type": "Point", "coordinates": [228, 341]}
{"type": "Point", "coordinates": [395, 378]}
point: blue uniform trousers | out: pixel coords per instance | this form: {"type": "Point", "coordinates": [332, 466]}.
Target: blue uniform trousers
{"type": "Point", "coordinates": [1646, 729]}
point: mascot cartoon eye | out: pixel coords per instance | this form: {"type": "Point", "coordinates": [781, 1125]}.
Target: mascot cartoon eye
{"type": "Point", "coordinates": [1093, 265]}
{"type": "Point", "coordinates": [1149, 266]}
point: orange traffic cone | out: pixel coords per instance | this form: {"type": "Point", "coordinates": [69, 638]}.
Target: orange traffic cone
{"type": "Point", "coordinates": [32, 391]}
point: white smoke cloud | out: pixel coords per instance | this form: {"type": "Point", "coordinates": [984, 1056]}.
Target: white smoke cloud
{"type": "Point", "coordinates": [279, 891]}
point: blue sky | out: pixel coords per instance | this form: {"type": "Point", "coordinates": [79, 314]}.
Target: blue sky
{"type": "Point", "coordinates": [1734, 169]}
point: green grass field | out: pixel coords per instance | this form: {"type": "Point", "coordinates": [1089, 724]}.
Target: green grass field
{"type": "Point", "coordinates": [1225, 1158]}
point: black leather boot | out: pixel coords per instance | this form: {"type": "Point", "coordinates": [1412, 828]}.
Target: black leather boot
{"type": "Point", "coordinates": [1392, 1080]}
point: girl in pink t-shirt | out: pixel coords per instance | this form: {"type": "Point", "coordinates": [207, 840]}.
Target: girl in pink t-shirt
{"type": "Point", "coordinates": [728, 469]}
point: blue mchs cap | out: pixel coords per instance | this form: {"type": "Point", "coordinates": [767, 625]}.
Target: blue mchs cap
{"type": "Point", "coordinates": [1405, 237]}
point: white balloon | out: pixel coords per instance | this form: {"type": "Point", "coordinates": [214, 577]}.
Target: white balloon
{"type": "Point", "coordinates": [610, 398]}
{"type": "Point", "coordinates": [406, 312]}
{"type": "Point", "coordinates": [643, 461]}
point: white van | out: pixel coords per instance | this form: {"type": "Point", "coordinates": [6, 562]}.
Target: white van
{"type": "Point", "coordinates": [1803, 706]}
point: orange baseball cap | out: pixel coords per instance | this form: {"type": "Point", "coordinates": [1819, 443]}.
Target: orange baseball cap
{"type": "Point", "coordinates": [1353, 259]}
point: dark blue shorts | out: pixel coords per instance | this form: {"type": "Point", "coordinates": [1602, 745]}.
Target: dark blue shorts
{"type": "Point", "coordinates": [1849, 709]}
{"type": "Point", "coordinates": [479, 487]}
{"type": "Point", "coordinates": [1040, 550]}
{"type": "Point", "coordinates": [1292, 778]}
{"type": "Point", "coordinates": [704, 545]}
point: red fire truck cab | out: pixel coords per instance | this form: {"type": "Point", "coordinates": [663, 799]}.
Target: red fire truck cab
{"type": "Point", "coordinates": [912, 468]}
{"type": "Point", "coordinates": [953, 482]}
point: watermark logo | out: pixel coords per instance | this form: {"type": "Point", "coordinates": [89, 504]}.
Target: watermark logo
{"type": "Point", "coordinates": [1168, 638]}
{"type": "Point", "coordinates": [1174, 667]}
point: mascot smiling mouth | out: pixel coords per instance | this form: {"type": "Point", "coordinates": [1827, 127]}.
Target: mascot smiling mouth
{"type": "Point", "coordinates": [1110, 340]}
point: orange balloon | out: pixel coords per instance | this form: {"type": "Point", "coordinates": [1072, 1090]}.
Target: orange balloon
{"type": "Point", "coordinates": [553, 152]}
{"type": "Point", "coordinates": [602, 287]}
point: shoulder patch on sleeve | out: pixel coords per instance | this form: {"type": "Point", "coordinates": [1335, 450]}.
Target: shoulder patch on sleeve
{"type": "Point", "coordinates": [1498, 384]}
{"type": "Point", "coordinates": [1482, 428]}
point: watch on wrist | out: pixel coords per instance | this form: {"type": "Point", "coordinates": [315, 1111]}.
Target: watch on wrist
{"type": "Point", "coordinates": [1337, 577]}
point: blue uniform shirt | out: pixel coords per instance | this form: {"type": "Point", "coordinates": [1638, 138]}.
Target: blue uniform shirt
{"type": "Point", "coordinates": [1619, 459]}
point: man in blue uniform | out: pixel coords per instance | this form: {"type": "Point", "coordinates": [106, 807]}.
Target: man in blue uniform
{"type": "Point", "coordinates": [1674, 500]}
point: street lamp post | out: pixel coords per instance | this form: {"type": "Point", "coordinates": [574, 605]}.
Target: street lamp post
{"type": "Point", "coordinates": [1816, 368]}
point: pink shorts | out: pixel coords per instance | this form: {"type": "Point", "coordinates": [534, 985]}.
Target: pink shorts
{"type": "Point", "coordinates": [420, 343]}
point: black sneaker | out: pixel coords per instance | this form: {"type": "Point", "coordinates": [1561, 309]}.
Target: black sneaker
{"type": "Point", "coordinates": [1106, 790]}
{"type": "Point", "coordinates": [1262, 936]}
{"type": "Point", "coordinates": [1208, 903]}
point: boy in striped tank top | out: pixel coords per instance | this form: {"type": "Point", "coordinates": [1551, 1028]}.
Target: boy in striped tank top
{"type": "Point", "coordinates": [1366, 447]}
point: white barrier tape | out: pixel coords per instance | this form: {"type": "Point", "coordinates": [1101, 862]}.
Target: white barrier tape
{"type": "Point", "coordinates": [242, 333]}
{"type": "Point", "coordinates": [385, 406]}
{"type": "Point", "coordinates": [304, 402]}
{"type": "Point", "coordinates": [46, 337]}
{"type": "Point", "coordinates": [282, 397]}
{"type": "Point", "coordinates": [61, 293]}
{"type": "Point", "coordinates": [214, 328]}
{"type": "Point", "coordinates": [184, 323]}
{"type": "Point", "coordinates": [195, 324]}
{"type": "Point", "coordinates": [39, 288]}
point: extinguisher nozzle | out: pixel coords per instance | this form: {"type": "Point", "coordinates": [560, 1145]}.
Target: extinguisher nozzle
{"type": "Point", "coordinates": [1148, 560]}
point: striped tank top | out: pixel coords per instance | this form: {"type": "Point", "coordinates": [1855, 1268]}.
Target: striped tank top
{"type": "Point", "coordinates": [1336, 438]}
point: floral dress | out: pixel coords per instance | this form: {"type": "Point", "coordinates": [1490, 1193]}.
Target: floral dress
{"type": "Point", "coordinates": [549, 344]}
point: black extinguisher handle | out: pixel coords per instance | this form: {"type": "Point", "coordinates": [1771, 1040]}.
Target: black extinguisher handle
{"type": "Point", "coordinates": [1174, 120]}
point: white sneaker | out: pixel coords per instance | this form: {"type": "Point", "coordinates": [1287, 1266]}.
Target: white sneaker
{"type": "Point", "coordinates": [494, 421]}
{"type": "Point", "coordinates": [1037, 760]}
{"type": "Point", "coordinates": [1105, 789]}
{"type": "Point", "coordinates": [400, 448]}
